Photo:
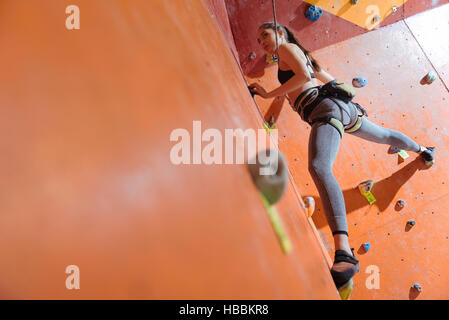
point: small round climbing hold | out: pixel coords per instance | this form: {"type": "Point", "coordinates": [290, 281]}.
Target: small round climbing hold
{"type": "Point", "coordinates": [313, 13]}
{"type": "Point", "coordinates": [394, 8]}
{"type": "Point", "coordinates": [359, 82]}
{"type": "Point", "coordinates": [366, 186]}
{"type": "Point", "coordinates": [411, 223]}
{"type": "Point", "coordinates": [366, 246]}
{"type": "Point", "coordinates": [251, 92]}
{"type": "Point", "coordinates": [309, 202]}
{"type": "Point", "coordinates": [394, 149]}
{"type": "Point", "coordinates": [400, 204]}
{"type": "Point", "coordinates": [376, 18]}
{"type": "Point", "coordinates": [431, 77]}
{"type": "Point", "coordinates": [271, 58]}
{"type": "Point", "coordinates": [417, 287]}
{"type": "Point", "coordinates": [252, 56]}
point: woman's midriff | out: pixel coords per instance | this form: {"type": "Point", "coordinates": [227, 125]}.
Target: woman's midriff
{"type": "Point", "coordinates": [295, 94]}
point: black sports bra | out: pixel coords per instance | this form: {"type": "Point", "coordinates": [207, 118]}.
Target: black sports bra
{"type": "Point", "coordinates": [285, 75]}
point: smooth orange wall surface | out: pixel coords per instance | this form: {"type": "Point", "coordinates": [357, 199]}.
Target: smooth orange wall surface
{"type": "Point", "coordinates": [86, 174]}
{"type": "Point", "coordinates": [393, 59]}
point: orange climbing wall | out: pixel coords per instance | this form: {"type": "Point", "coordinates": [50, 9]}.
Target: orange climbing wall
{"type": "Point", "coordinates": [393, 59]}
{"type": "Point", "coordinates": [86, 173]}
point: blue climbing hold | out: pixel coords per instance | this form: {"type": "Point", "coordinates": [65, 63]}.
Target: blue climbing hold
{"type": "Point", "coordinates": [417, 287]}
{"type": "Point", "coordinates": [314, 13]}
{"type": "Point", "coordinates": [366, 246]}
{"type": "Point", "coordinates": [411, 223]}
{"type": "Point", "coordinates": [359, 82]}
{"type": "Point", "coordinates": [431, 77]}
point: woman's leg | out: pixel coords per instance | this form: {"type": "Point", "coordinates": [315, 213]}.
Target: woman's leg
{"type": "Point", "coordinates": [324, 143]}
{"type": "Point", "coordinates": [373, 132]}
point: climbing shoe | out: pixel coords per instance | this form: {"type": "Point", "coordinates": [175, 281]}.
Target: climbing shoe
{"type": "Point", "coordinates": [343, 278]}
{"type": "Point", "coordinates": [428, 155]}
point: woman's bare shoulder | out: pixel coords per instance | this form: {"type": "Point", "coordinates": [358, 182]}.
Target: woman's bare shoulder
{"type": "Point", "coordinates": [289, 50]}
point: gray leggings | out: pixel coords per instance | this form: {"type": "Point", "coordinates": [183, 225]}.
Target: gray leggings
{"type": "Point", "coordinates": [324, 143]}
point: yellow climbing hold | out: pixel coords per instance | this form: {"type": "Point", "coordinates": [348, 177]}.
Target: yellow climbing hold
{"type": "Point", "coordinates": [369, 196]}
{"type": "Point", "coordinates": [365, 189]}
{"type": "Point", "coordinates": [403, 154]}
{"type": "Point", "coordinates": [270, 125]}
{"type": "Point", "coordinates": [267, 127]}
{"type": "Point", "coordinates": [346, 291]}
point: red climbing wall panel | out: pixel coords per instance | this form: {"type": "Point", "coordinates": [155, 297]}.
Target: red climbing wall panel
{"type": "Point", "coordinates": [86, 172]}
{"type": "Point", "coordinates": [247, 16]}
{"type": "Point", "coordinates": [218, 11]}
{"type": "Point", "coordinates": [393, 59]}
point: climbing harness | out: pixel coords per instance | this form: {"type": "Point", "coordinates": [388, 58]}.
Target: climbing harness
{"type": "Point", "coordinates": [311, 97]}
{"type": "Point", "coordinates": [338, 90]}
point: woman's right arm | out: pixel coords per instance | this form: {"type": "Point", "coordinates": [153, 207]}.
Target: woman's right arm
{"type": "Point", "coordinates": [324, 76]}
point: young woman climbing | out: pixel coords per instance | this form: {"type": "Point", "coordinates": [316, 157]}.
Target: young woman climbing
{"type": "Point", "coordinates": [329, 117]}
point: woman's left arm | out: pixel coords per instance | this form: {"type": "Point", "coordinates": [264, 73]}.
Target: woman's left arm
{"type": "Point", "coordinates": [293, 56]}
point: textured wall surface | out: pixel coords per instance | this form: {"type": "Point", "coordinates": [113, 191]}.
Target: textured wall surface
{"type": "Point", "coordinates": [86, 173]}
